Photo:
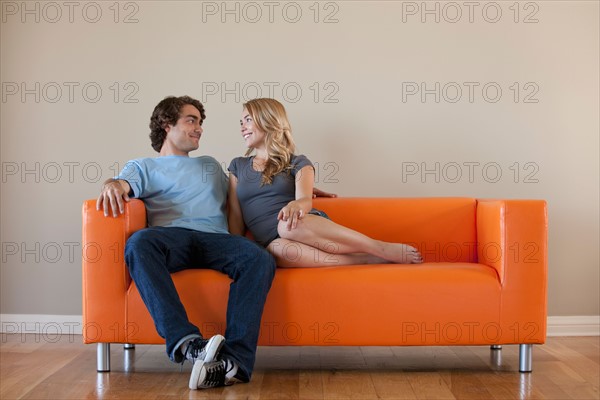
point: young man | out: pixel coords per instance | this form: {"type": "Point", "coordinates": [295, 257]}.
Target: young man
{"type": "Point", "coordinates": [185, 199]}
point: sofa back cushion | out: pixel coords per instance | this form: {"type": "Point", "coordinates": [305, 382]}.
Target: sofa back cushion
{"type": "Point", "coordinates": [443, 229]}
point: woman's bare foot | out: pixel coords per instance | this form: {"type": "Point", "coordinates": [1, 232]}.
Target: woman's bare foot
{"type": "Point", "coordinates": [400, 253]}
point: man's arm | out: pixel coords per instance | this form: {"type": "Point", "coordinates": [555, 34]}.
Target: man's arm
{"type": "Point", "coordinates": [319, 193]}
{"type": "Point", "coordinates": [113, 192]}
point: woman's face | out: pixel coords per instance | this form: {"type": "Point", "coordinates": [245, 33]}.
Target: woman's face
{"type": "Point", "coordinates": [253, 136]}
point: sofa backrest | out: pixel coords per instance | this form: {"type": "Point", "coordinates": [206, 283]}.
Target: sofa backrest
{"type": "Point", "coordinates": [443, 229]}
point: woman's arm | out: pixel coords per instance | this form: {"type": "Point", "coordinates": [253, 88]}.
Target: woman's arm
{"type": "Point", "coordinates": [298, 208]}
{"type": "Point", "coordinates": [234, 211]}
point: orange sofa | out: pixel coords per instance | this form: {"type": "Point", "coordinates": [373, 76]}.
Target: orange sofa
{"type": "Point", "coordinates": [483, 281]}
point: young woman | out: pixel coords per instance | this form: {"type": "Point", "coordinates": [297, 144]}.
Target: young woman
{"type": "Point", "coordinates": [270, 193]}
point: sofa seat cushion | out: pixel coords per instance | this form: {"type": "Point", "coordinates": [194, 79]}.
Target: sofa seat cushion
{"type": "Point", "coordinates": [428, 304]}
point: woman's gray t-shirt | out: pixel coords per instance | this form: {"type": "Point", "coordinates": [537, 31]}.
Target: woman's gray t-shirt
{"type": "Point", "coordinates": [261, 204]}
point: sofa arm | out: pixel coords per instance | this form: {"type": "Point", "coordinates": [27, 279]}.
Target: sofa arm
{"type": "Point", "coordinates": [105, 277]}
{"type": "Point", "coordinates": [512, 238]}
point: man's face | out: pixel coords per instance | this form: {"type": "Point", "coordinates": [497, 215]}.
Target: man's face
{"type": "Point", "coordinates": [184, 136]}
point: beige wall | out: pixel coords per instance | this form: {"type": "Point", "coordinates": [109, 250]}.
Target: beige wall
{"type": "Point", "coordinates": [352, 87]}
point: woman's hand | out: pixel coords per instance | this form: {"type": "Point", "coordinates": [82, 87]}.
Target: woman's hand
{"type": "Point", "coordinates": [297, 209]}
{"type": "Point", "coordinates": [291, 213]}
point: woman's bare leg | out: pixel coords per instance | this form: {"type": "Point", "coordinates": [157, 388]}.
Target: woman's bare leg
{"type": "Point", "coordinates": [321, 233]}
{"type": "Point", "coordinates": [288, 253]}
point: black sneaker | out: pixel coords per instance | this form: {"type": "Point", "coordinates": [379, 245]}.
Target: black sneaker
{"type": "Point", "coordinates": [202, 349]}
{"type": "Point", "coordinates": [214, 374]}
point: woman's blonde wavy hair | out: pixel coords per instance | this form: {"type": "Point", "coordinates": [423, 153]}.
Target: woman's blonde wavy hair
{"type": "Point", "coordinates": [270, 117]}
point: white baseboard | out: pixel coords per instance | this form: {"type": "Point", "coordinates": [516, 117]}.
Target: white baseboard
{"type": "Point", "coordinates": [53, 325]}
{"type": "Point", "coordinates": [573, 326]}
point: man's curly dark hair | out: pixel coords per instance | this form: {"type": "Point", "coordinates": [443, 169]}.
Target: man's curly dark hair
{"type": "Point", "coordinates": [167, 112]}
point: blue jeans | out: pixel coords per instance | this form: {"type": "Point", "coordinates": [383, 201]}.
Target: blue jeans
{"type": "Point", "coordinates": [152, 254]}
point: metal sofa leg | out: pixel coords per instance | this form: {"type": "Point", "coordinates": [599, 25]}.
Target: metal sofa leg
{"type": "Point", "coordinates": [129, 346]}
{"type": "Point", "coordinates": [496, 355]}
{"type": "Point", "coordinates": [525, 357]}
{"type": "Point", "coordinates": [103, 357]}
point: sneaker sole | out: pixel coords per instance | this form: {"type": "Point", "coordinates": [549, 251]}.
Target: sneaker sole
{"type": "Point", "coordinates": [201, 375]}
{"type": "Point", "coordinates": [212, 350]}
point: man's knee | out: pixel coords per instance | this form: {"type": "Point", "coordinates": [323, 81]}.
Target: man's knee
{"type": "Point", "coordinates": [138, 240]}
{"type": "Point", "coordinates": [141, 242]}
{"type": "Point", "coordinates": [261, 260]}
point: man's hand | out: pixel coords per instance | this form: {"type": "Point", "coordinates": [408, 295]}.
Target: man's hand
{"type": "Point", "coordinates": [112, 195]}
{"type": "Point", "coordinates": [320, 193]}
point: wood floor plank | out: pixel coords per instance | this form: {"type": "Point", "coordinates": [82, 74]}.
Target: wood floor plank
{"type": "Point", "coordinates": [466, 385]}
{"type": "Point", "coordinates": [311, 385]}
{"type": "Point", "coordinates": [540, 386]}
{"type": "Point", "coordinates": [430, 386]}
{"type": "Point", "coordinates": [282, 385]}
{"type": "Point", "coordinates": [343, 358]}
{"type": "Point", "coordinates": [586, 346]}
{"type": "Point", "coordinates": [426, 358]}
{"type": "Point", "coordinates": [248, 391]}
{"type": "Point", "coordinates": [348, 384]}
{"type": "Point", "coordinates": [19, 375]}
{"type": "Point", "coordinates": [582, 365]}
{"type": "Point", "coordinates": [63, 368]}
{"type": "Point", "coordinates": [392, 385]}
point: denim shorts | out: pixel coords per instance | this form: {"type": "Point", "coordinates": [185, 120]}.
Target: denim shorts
{"type": "Point", "coordinates": [320, 213]}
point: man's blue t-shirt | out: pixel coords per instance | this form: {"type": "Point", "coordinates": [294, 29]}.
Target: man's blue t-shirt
{"type": "Point", "coordinates": [180, 191]}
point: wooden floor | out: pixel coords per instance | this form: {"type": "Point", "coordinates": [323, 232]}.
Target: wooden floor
{"type": "Point", "coordinates": [61, 367]}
